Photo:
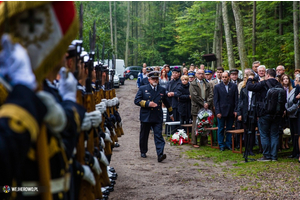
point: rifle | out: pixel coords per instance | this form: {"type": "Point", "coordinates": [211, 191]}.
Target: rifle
{"type": "Point", "coordinates": [86, 189]}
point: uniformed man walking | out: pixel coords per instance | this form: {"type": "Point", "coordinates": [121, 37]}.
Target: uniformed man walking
{"type": "Point", "coordinates": [150, 97]}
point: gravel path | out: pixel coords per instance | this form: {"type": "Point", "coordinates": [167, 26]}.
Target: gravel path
{"type": "Point", "coordinates": [175, 178]}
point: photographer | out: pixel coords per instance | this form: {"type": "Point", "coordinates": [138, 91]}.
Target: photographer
{"type": "Point", "coordinates": [246, 114]}
{"type": "Point", "coordinates": [268, 123]}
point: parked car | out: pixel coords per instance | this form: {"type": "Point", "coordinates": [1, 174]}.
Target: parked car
{"type": "Point", "coordinates": [132, 72]}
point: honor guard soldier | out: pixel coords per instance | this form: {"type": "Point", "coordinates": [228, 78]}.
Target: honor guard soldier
{"type": "Point", "coordinates": [150, 98]}
{"type": "Point", "coordinates": [41, 28]}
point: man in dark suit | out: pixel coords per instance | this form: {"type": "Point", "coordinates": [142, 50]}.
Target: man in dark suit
{"type": "Point", "coordinates": [150, 97]}
{"type": "Point", "coordinates": [172, 94]}
{"type": "Point", "coordinates": [226, 102]}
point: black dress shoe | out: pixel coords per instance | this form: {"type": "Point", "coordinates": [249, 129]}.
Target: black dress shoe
{"type": "Point", "coordinates": [117, 144]}
{"type": "Point", "coordinates": [229, 148]}
{"type": "Point", "coordinates": [162, 157]}
{"type": "Point", "coordinates": [222, 149]}
{"type": "Point", "coordinates": [291, 156]}
{"type": "Point", "coordinates": [143, 155]}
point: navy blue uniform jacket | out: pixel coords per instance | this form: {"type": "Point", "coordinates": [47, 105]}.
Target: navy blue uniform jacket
{"type": "Point", "coordinates": [144, 96]}
{"type": "Point", "coordinates": [173, 86]}
{"type": "Point", "coordinates": [226, 103]}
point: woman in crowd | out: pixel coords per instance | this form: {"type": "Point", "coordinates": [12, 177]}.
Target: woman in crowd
{"type": "Point", "coordinates": [157, 68]}
{"type": "Point", "coordinates": [163, 80]}
{"type": "Point", "coordinates": [293, 112]}
{"type": "Point", "coordinates": [169, 73]}
{"type": "Point", "coordinates": [287, 85]}
{"type": "Point", "coordinates": [246, 114]}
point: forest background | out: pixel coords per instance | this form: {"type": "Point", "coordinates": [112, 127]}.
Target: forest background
{"type": "Point", "coordinates": [173, 32]}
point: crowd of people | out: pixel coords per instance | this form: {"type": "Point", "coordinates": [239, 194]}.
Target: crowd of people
{"type": "Point", "coordinates": [236, 104]}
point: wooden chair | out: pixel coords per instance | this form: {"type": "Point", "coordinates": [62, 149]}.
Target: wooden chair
{"type": "Point", "coordinates": [211, 136]}
{"type": "Point", "coordinates": [234, 133]}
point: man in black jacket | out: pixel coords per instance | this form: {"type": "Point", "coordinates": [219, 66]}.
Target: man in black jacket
{"type": "Point", "coordinates": [268, 124]}
{"type": "Point", "coordinates": [150, 98]}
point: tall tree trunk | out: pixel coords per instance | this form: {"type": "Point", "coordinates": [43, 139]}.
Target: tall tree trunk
{"type": "Point", "coordinates": [111, 26]}
{"type": "Point", "coordinates": [218, 34]}
{"type": "Point", "coordinates": [136, 35]}
{"type": "Point", "coordinates": [115, 17]}
{"type": "Point", "coordinates": [296, 34]}
{"type": "Point", "coordinates": [213, 63]}
{"type": "Point", "coordinates": [254, 32]}
{"type": "Point", "coordinates": [127, 33]}
{"type": "Point", "coordinates": [230, 55]}
{"type": "Point", "coordinates": [132, 34]}
{"type": "Point", "coordinates": [280, 18]}
{"type": "Point", "coordinates": [240, 34]}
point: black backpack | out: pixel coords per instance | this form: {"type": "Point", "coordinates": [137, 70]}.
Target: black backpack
{"type": "Point", "coordinates": [274, 103]}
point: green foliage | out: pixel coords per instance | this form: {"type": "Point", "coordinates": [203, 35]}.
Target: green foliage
{"type": "Point", "coordinates": [184, 31]}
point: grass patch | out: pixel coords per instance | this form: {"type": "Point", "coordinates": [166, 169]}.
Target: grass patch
{"type": "Point", "coordinates": [262, 179]}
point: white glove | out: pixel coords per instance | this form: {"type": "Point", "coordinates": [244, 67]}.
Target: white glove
{"type": "Point", "coordinates": [15, 66]}
{"type": "Point", "coordinates": [109, 103]}
{"type": "Point", "coordinates": [117, 100]}
{"type": "Point", "coordinates": [95, 117]}
{"type": "Point", "coordinates": [107, 137]}
{"type": "Point", "coordinates": [55, 117]}
{"type": "Point", "coordinates": [88, 175]}
{"type": "Point", "coordinates": [120, 124]}
{"type": "Point", "coordinates": [102, 142]}
{"type": "Point", "coordinates": [104, 159]}
{"type": "Point", "coordinates": [101, 107]}
{"type": "Point", "coordinates": [67, 85]}
{"type": "Point", "coordinates": [86, 123]}
{"type": "Point", "coordinates": [96, 166]}
{"type": "Point", "coordinates": [114, 132]}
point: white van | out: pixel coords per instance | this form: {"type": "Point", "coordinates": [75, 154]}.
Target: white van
{"type": "Point", "coordinates": [120, 68]}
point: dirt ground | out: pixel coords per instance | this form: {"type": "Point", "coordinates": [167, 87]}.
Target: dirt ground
{"type": "Point", "coordinates": [177, 177]}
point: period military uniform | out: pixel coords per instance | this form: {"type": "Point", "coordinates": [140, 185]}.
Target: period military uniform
{"type": "Point", "coordinates": [152, 117]}
{"type": "Point", "coordinates": [20, 120]}
{"type": "Point", "coordinates": [45, 48]}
